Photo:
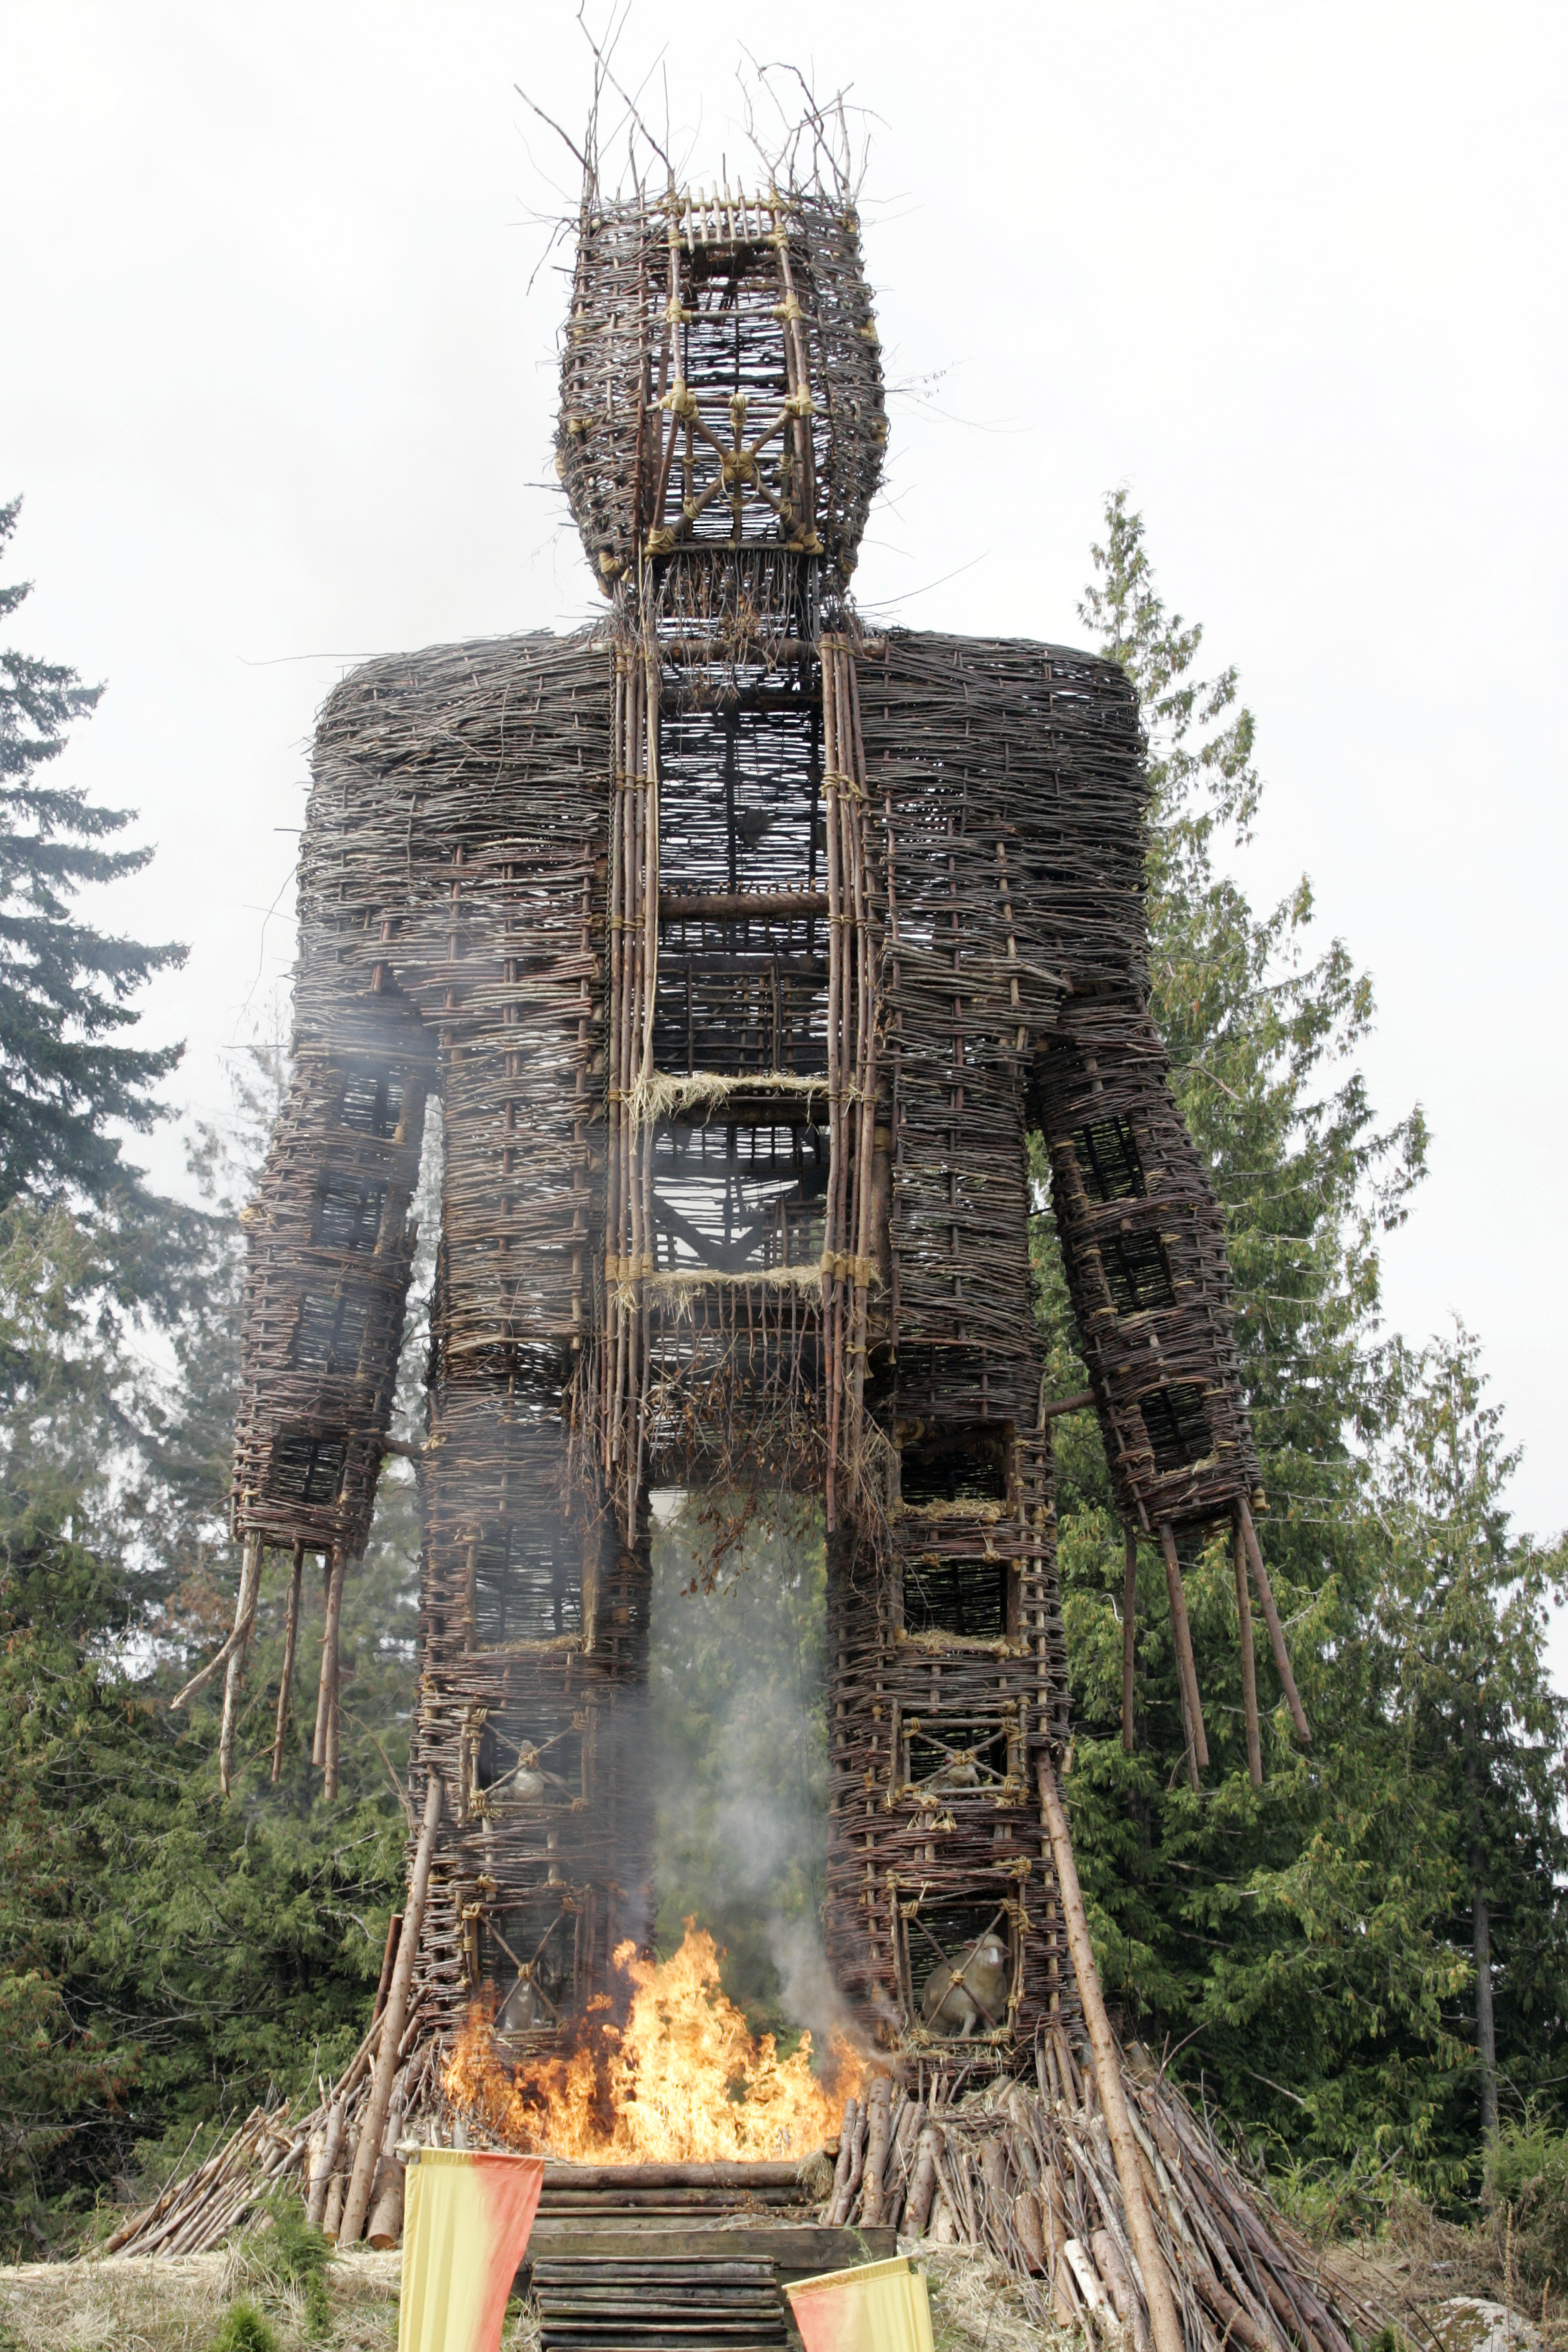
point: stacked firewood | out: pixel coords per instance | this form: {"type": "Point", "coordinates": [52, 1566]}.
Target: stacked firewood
{"type": "Point", "coordinates": [1031, 2179]}
{"type": "Point", "coordinates": [196, 2211]}
{"type": "Point", "coordinates": [1027, 2176]}
{"type": "Point", "coordinates": [316, 2151]}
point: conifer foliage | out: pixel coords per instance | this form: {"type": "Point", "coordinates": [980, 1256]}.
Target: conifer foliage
{"type": "Point", "coordinates": [65, 986]}
{"type": "Point", "coordinates": [1311, 1948]}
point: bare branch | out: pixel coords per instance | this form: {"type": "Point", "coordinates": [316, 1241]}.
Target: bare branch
{"type": "Point", "coordinates": [550, 120]}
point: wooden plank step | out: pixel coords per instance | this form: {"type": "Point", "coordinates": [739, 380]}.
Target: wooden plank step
{"type": "Point", "coordinates": [675, 2176]}
{"type": "Point", "coordinates": [695, 2301]}
{"type": "Point", "coordinates": [568, 2301]}
{"type": "Point", "coordinates": [795, 2249]}
{"type": "Point", "coordinates": [565, 2198]}
{"type": "Point", "coordinates": [579, 2327]}
{"type": "Point", "coordinates": [569, 2295]}
{"type": "Point", "coordinates": [624, 2339]}
{"type": "Point", "coordinates": [716, 2265]}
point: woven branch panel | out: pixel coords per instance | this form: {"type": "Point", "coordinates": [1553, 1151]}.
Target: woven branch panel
{"type": "Point", "coordinates": [947, 1688]}
{"type": "Point", "coordinates": [739, 1001]}
{"type": "Point", "coordinates": [331, 1248]}
{"type": "Point", "coordinates": [742, 952]}
{"type": "Point", "coordinates": [720, 382]}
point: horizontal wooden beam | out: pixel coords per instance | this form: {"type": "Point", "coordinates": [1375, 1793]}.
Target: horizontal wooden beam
{"type": "Point", "coordinates": [737, 905]}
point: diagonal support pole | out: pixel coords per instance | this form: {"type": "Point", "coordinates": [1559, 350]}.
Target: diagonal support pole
{"type": "Point", "coordinates": [1249, 1665]}
{"type": "Point", "coordinates": [393, 2018]}
{"type": "Point", "coordinates": [234, 1678]}
{"type": "Point", "coordinates": [1129, 1638]}
{"type": "Point", "coordinates": [1271, 1616]}
{"type": "Point", "coordinates": [1186, 1665]}
{"type": "Point", "coordinates": [1164, 2319]}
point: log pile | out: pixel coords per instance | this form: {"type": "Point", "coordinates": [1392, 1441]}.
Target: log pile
{"type": "Point", "coordinates": [315, 2151]}
{"type": "Point", "coordinates": [1029, 2174]}
{"type": "Point", "coordinates": [198, 2210]}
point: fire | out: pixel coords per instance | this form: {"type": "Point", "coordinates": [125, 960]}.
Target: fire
{"type": "Point", "coordinates": [681, 2082]}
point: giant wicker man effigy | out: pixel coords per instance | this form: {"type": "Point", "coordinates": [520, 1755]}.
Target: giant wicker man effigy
{"type": "Point", "coordinates": [741, 950]}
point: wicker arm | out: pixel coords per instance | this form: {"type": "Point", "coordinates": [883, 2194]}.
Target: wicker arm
{"type": "Point", "coordinates": [1143, 1242]}
{"type": "Point", "coordinates": [330, 1250]}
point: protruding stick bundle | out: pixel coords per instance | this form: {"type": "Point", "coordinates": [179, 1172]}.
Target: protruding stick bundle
{"type": "Point", "coordinates": [324, 1747]}
{"type": "Point", "coordinates": [1246, 1554]}
{"type": "Point", "coordinates": [1186, 1665]}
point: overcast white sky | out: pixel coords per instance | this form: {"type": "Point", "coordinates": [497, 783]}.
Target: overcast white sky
{"type": "Point", "coordinates": [279, 396]}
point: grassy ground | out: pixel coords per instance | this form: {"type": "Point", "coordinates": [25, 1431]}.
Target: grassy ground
{"type": "Point", "coordinates": [180, 2307]}
{"type": "Point", "coordinates": [1413, 2267]}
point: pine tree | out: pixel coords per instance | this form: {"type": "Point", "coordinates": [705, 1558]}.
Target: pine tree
{"type": "Point", "coordinates": [1464, 1608]}
{"type": "Point", "coordinates": [65, 987]}
{"type": "Point", "coordinates": [65, 1599]}
{"type": "Point", "coordinates": [165, 1953]}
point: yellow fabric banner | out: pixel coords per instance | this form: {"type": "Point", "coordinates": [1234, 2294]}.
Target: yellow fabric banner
{"type": "Point", "coordinates": [467, 2216]}
{"type": "Point", "coordinates": [879, 2308]}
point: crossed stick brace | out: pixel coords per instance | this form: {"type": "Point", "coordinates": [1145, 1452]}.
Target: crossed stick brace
{"type": "Point", "coordinates": [958, 1977]}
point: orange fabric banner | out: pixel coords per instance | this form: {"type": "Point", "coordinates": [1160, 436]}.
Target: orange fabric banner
{"type": "Point", "coordinates": [877, 2307]}
{"type": "Point", "coordinates": [467, 2216]}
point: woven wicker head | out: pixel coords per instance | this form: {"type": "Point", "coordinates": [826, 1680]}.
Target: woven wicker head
{"type": "Point", "coordinates": [721, 384]}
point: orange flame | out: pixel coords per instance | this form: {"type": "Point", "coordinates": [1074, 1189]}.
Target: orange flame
{"type": "Point", "coordinates": [681, 2082]}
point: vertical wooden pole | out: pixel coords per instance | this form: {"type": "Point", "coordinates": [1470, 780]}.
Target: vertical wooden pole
{"type": "Point", "coordinates": [234, 1674]}
{"type": "Point", "coordinates": [1249, 1665]}
{"type": "Point", "coordinates": [866, 1064]}
{"type": "Point", "coordinates": [1163, 2320]}
{"type": "Point", "coordinates": [329, 1760]}
{"type": "Point", "coordinates": [1128, 1637]}
{"type": "Point", "coordinates": [328, 1687]}
{"type": "Point", "coordinates": [1271, 1616]}
{"type": "Point", "coordinates": [373, 2123]}
{"type": "Point", "coordinates": [836, 1110]}
{"type": "Point", "coordinates": [285, 1680]}
{"type": "Point", "coordinates": [878, 2115]}
{"type": "Point", "coordinates": [321, 2180]}
{"type": "Point", "coordinates": [1186, 1667]}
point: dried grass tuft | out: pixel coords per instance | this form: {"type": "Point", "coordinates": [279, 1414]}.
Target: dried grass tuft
{"type": "Point", "coordinates": [138, 2304]}
{"type": "Point", "coordinates": [976, 2302]}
